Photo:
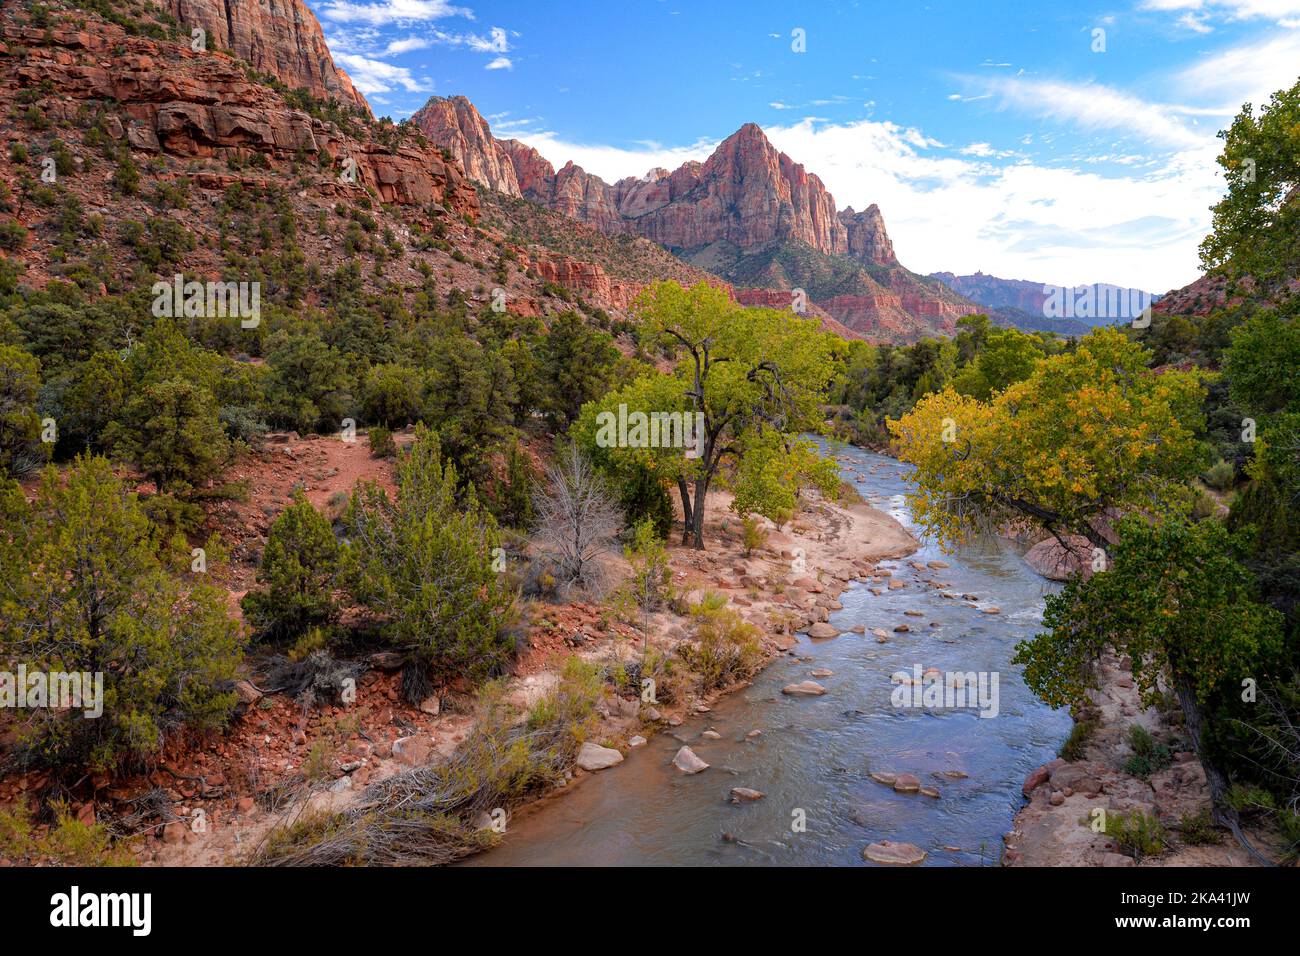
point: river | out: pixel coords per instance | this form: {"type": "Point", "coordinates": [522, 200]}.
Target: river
{"type": "Point", "coordinates": [814, 755]}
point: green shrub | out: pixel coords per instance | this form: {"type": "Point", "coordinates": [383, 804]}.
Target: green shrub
{"type": "Point", "coordinates": [1149, 756]}
{"type": "Point", "coordinates": [297, 574]}
{"type": "Point", "coordinates": [725, 650]}
{"type": "Point", "coordinates": [12, 235]}
{"type": "Point", "coordinates": [85, 591]}
{"type": "Point", "coordinates": [752, 533]}
{"type": "Point", "coordinates": [423, 564]}
{"type": "Point", "coordinates": [1137, 834]}
{"type": "Point", "coordinates": [1076, 745]}
{"type": "Point", "coordinates": [381, 443]}
{"type": "Point", "coordinates": [21, 449]}
{"type": "Point", "coordinates": [1197, 829]}
{"type": "Point", "coordinates": [1220, 476]}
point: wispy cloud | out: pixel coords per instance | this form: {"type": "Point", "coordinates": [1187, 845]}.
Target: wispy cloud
{"type": "Point", "coordinates": [1094, 106]}
{"type": "Point", "coordinates": [500, 63]}
{"type": "Point", "coordinates": [388, 12]}
{"type": "Point", "coordinates": [1280, 11]}
{"type": "Point", "coordinates": [376, 76]}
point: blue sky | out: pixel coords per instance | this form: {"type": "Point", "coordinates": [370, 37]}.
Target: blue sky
{"type": "Point", "coordinates": [1052, 141]}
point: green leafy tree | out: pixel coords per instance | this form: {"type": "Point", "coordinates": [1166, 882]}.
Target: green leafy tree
{"type": "Point", "coordinates": [1256, 223]}
{"type": "Point", "coordinates": [310, 386]}
{"type": "Point", "coordinates": [82, 590]}
{"type": "Point", "coordinates": [298, 572]}
{"type": "Point", "coordinates": [771, 470]}
{"type": "Point", "coordinates": [1178, 603]}
{"type": "Point", "coordinates": [577, 365]}
{"type": "Point", "coordinates": [425, 564]}
{"type": "Point", "coordinates": [1006, 357]}
{"type": "Point", "coordinates": [517, 490]}
{"type": "Point", "coordinates": [739, 371]}
{"type": "Point", "coordinates": [21, 449]}
{"type": "Point", "coordinates": [172, 433]}
{"type": "Point", "coordinates": [393, 395]}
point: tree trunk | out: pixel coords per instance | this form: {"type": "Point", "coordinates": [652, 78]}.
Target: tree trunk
{"type": "Point", "coordinates": [687, 523]}
{"type": "Point", "coordinates": [1221, 813]}
{"type": "Point", "coordinates": [701, 490]}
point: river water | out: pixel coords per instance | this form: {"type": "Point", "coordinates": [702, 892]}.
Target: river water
{"type": "Point", "coordinates": [814, 755]}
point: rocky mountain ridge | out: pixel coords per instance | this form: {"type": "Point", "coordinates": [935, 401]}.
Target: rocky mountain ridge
{"type": "Point", "coordinates": [749, 213]}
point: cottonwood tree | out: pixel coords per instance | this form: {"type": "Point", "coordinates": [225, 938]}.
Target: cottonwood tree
{"type": "Point", "coordinates": [577, 521]}
{"type": "Point", "coordinates": [1087, 435]}
{"type": "Point", "coordinates": [1256, 223]}
{"type": "Point", "coordinates": [741, 371]}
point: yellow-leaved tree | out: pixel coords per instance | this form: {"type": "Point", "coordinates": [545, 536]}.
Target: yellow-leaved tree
{"type": "Point", "coordinates": [1089, 434]}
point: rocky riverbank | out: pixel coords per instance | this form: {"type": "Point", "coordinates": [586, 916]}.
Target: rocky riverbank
{"type": "Point", "coordinates": [1058, 825]}
{"type": "Point", "coordinates": [789, 584]}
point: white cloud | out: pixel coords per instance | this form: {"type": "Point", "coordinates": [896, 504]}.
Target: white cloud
{"type": "Point", "coordinates": [1194, 23]}
{"type": "Point", "coordinates": [500, 63]}
{"type": "Point", "coordinates": [376, 76]}
{"type": "Point", "coordinates": [1093, 106]}
{"type": "Point", "coordinates": [1246, 73]}
{"type": "Point", "coordinates": [960, 210]}
{"type": "Point", "coordinates": [391, 11]}
{"type": "Point", "coordinates": [1278, 10]}
{"type": "Point", "coordinates": [406, 45]}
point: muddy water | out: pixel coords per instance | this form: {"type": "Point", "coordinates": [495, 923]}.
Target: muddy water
{"type": "Point", "coordinates": [814, 755]}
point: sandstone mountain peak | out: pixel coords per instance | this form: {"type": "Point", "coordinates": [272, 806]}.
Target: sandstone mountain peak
{"type": "Point", "coordinates": [748, 213]}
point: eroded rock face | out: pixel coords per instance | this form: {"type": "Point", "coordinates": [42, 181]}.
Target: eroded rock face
{"type": "Point", "coordinates": [866, 238]}
{"type": "Point", "coordinates": [192, 104]}
{"type": "Point", "coordinates": [456, 125]}
{"type": "Point", "coordinates": [747, 193]}
{"type": "Point", "coordinates": [279, 37]}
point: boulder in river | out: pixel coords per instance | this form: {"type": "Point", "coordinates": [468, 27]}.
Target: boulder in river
{"type": "Point", "coordinates": [906, 783]}
{"type": "Point", "coordinates": [687, 762]}
{"type": "Point", "coordinates": [594, 757]}
{"type": "Point", "coordinates": [805, 688]}
{"type": "Point", "coordinates": [894, 854]}
{"type": "Point", "coordinates": [822, 629]}
{"type": "Point", "coordinates": [746, 795]}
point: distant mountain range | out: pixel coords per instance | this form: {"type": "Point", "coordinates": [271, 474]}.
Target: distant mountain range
{"type": "Point", "coordinates": [1042, 307]}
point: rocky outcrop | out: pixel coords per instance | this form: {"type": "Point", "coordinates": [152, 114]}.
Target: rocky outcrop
{"type": "Point", "coordinates": [189, 104]}
{"type": "Point", "coordinates": [279, 37]}
{"type": "Point", "coordinates": [865, 237]}
{"type": "Point", "coordinates": [454, 124]}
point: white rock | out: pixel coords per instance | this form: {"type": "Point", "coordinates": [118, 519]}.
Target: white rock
{"type": "Point", "coordinates": [687, 762]}
{"type": "Point", "coordinates": [595, 757]}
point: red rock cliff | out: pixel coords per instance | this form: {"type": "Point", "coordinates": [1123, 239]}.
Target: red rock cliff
{"type": "Point", "coordinates": [279, 37]}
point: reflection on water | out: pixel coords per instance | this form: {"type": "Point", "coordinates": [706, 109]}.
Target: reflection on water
{"type": "Point", "coordinates": [814, 755]}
